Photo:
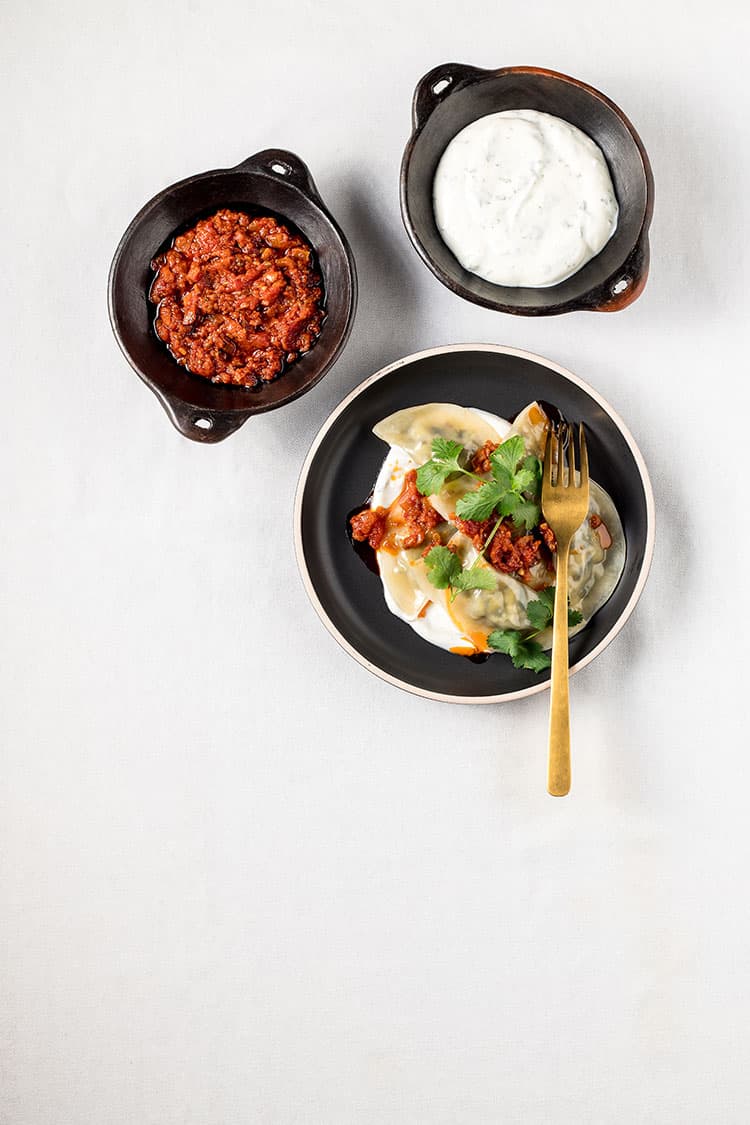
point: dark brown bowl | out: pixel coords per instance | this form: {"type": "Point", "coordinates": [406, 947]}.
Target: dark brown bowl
{"type": "Point", "coordinates": [273, 181]}
{"type": "Point", "coordinates": [451, 96]}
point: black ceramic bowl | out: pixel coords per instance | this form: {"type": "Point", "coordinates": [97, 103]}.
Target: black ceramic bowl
{"type": "Point", "coordinates": [338, 476]}
{"type": "Point", "coordinates": [272, 181]}
{"type": "Point", "coordinates": [453, 95]}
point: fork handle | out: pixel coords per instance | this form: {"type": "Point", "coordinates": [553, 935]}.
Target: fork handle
{"type": "Point", "coordinates": [558, 765]}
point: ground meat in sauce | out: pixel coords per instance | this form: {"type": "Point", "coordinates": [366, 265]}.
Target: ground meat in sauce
{"type": "Point", "coordinates": [508, 552]}
{"type": "Point", "coordinates": [407, 523]}
{"type": "Point", "coordinates": [419, 514]}
{"type": "Point", "coordinates": [238, 298]}
{"type": "Point", "coordinates": [369, 526]}
{"type": "Point", "coordinates": [548, 536]}
{"type": "Point", "coordinates": [480, 462]}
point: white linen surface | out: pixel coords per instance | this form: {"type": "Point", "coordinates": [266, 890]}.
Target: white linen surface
{"type": "Point", "coordinates": [242, 879]}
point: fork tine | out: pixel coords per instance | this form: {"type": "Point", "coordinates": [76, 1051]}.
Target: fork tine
{"type": "Point", "coordinates": [563, 439]}
{"type": "Point", "coordinates": [571, 458]}
{"type": "Point", "coordinates": [549, 452]}
{"type": "Point", "coordinates": [560, 446]}
{"type": "Point", "coordinates": [584, 457]}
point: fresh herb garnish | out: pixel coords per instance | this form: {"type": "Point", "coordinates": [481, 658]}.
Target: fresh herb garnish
{"type": "Point", "coordinates": [445, 572]}
{"type": "Point", "coordinates": [519, 644]}
{"type": "Point", "coordinates": [540, 612]}
{"type": "Point", "coordinates": [444, 463]}
{"type": "Point", "coordinates": [513, 490]}
{"type": "Point", "coordinates": [524, 652]}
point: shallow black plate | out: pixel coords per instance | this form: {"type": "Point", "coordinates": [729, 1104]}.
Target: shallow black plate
{"type": "Point", "coordinates": [341, 468]}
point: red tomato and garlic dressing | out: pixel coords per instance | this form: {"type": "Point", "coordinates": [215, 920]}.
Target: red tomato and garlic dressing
{"type": "Point", "coordinates": [238, 298]}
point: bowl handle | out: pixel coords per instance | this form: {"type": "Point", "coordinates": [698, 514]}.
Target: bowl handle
{"type": "Point", "coordinates": [282, 165]}
{"type": "Point", "coordinates": [437, 85]}
{"type": "Point", "coordinates": [625, 286]}
{"type": "Point", "coordinates": [207, 426]}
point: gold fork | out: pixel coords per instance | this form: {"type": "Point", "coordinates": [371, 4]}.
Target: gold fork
{"type": "Point", "coordinates": [565, 503]}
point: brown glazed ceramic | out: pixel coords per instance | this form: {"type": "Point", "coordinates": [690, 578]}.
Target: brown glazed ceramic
{"type": "Point", "coordinates": [451, 96]}
{"type": "Point", "coordinates": [272, 181]}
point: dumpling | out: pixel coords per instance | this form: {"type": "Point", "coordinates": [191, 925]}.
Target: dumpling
{"type": "Point", "coordinates": [593, 573]}
{"type": "Point", "coordinates": [532, 424]}
{"type": "Point", "coordinates": [593, 569]}
{"type": "Point", "coordinates": [462, 622]}
{"type": "Point", "coordinates": [414, 428]}
{"type": "Point", "coordinates": [405, 578]}
{"type": "Point", "coordinates": [478, 612]}
{"type": "Point", "coordinates": [408, 591]}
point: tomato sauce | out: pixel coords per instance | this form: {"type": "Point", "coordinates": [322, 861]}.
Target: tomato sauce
{"type": "Point", "coordinates": [407, 523]}
{"type": "Point", "coordinates": [238, 298]}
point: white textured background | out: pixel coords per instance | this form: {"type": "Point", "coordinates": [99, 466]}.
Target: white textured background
{"type": "Point", "coordinates": [221, 902]}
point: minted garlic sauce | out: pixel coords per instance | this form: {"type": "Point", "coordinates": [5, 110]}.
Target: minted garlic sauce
{"type": "Point", "coordinates": [523, 198]}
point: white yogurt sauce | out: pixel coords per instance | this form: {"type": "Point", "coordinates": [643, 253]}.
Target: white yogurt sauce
{"type": "Point", "coordinates": [523, 198]}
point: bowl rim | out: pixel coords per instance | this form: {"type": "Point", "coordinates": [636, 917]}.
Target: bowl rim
{"type": "Point", "coordinates": [258, 166]}
{"type": "Point", "coordinates": [636, 260]}
{"type": "Point", "coordinates": [384, 372]}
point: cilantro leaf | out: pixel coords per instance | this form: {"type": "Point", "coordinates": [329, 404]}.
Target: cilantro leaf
{"type": "Point", "coordinates": [504, 640]}
{"type": "Point", "coordinates": [502, 476]}
{"type": "Point", "coordinates": [443, 567]}
{"type": "Point", "coordinates": [539, 615]}
{"type": "Point", "coordinates": [444, 462]}
{"type": "Point", "coordinates": [481, 503]}
{"type": "Point", "coordinates": [508, 454]}
{"type": "Point", "coordinates": [445, 572]}
{"type": "Point", "coordinates": [445, 450]}
{"type": "Point", "coordinates": [533, 465]}
{"type": "Point", "coordinates": [509, 504]}
{"type": "Point", "coordinates": [540, 612]}
{"type": "Point", "coordinates": [522, 481]}
{"type": "Point", "coordinates": [432, 476]}
{"type": "Point", "coordinates": [527, 516]}
{"type": "Point", "coordinates": [505, 493]}
{"type": "Point", "coordinates": [547, 598]}
{"type": "Point", "coordinates": [524, 653]}
{"type": "Point", "coordinates": [531, 655]}
{"type": "Point", "coordinates": [519, 645]}
{"type": "Point", "coordinates": [475, 578]}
